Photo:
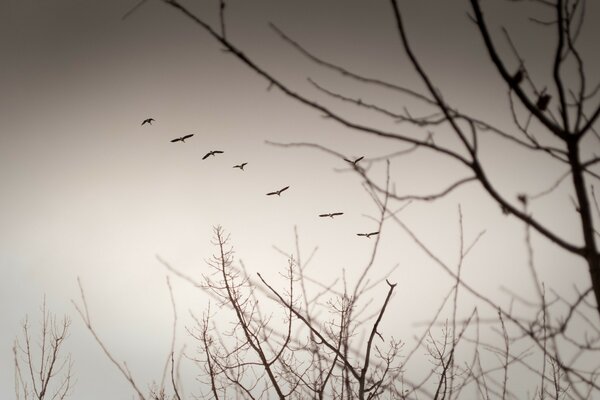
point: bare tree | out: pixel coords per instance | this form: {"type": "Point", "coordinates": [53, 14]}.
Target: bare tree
{"type": "Point", "coordinates": [555, 118]}
{"type": "Point", "coordinates": [300, 357]}
{"type": "Point", "coordinates": [292, 351]}
{"type": "Point", "coordinates": [555, 339]}
{"type": "Point", "coordinates": [576, 106]}
{"type": "Point", "coordinates": [42, 371]}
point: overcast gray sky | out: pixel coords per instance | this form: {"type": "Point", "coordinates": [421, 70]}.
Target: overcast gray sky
{"type": "Point", "coordinates": [87, 192]}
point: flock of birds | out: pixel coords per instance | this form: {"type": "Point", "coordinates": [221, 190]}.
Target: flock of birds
{"type": "Point", "coordinates": [541, 103]}
{"type": "Point", "coordinates": [275, 192]}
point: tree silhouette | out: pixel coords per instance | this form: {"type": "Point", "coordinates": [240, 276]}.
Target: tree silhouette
{"type": "Point", "coordinates": [562, 131]}
{"type": "Point", "coordinates": [573, 124]}
{"type": "Point", "coordinates": [326, 357]}
{"type": "Point", "coordinates": [42, 371]}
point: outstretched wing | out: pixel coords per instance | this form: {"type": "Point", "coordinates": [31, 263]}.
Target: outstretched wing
{"type": "Point", "coordinates": [323, 215]}
{"type": "Point", "coordinates": [176, 140]}
{"type": "Point", "coordinates": [188, 136]}
{"type": "Point", "coordinates": [218, 152]}
{"type": "Point", "coordinates": [284, 189]}
{"type": "Point", "coordinates": [271, 193]}
{"type": "Point", "coordinates": [361, 234]}
{"type": "Point", "coordinates": [206, 156]}
{"type": "Point", "coordinates": [373, 233]}
{"type": "Point", "coordinates": [350, 161]}
{"type": "Point", "coordinates": [336, 214]}
{"type": "Point", "coordinates": [358, 159]}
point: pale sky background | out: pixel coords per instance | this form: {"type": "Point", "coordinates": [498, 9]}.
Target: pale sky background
{"type": "Point", "coordinates": [87, 192]}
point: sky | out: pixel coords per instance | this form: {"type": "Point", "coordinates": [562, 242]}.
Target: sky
{"type": "Point", "coordinates": [88, 192]}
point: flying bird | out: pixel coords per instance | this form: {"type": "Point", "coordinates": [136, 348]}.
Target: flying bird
{"type": "Point", "coordinates": [355, 161]}
{"type": "Point", "coordinates": [331, 215]}
{"type": "Point", "coordinates": [148, 121]}
{"type": "Point", "coordinates": [542, 102]}
{"type": "Point", "coordinates": [182, 139]}
{"type": "Point", "coordinates": [278, 192]}
{"type": "Point", "coordinates": [240, 166]}
{"type": "Point", "coordinates": [367, 235]}
{"type": "Point", "coordinates": [211, 153]}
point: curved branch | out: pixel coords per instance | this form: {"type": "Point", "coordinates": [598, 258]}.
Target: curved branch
{"type": "Point", "coordinates": [363, 372]}
{"type": "Point", "coordinates": [314, 331]}
{"type": "Point", "coordinates": [438, 99]}
{"type": "Point", "coordinates": [526, 218]}
{"type": "Point", "coordinates": [427, 197]}
{"type": "Point", "coordinates": [348, 73]}
{"type": "Point", "coordinates": [274, 82]}
{"type": "Point", "coordinates": [507, 77]}
{"type": "Point", "coordinates": [475, 164]}
{"type": "Point", "coordinates": [555, 152]}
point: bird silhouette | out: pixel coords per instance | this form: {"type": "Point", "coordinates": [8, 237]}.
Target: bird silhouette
{"type": "Point", "coordinates": [517, 78]}
{"type": "Point", "coordinates": [367, 235]}
{"type": "Point", "coordinates": [355, 161]}
{"type": "Point", "coordinates": [182, 139]}
{"type": "Point", "coordinates": [211, 153]}
{"type": "Point", "coordinates": [331, 215]}
{"type": "Point", "coordinates": [148, 121]}
{"type": "Point", "coordinates": [240, 166]}
{"type": "Point", "coordinates": [278, 192]}
{"type": "Point", "coordinates": [543, 101]}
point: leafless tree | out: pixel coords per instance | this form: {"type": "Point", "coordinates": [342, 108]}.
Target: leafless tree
{"type": "Point", "coordinates": [554, 338]}
{"type": "Point", "coordinates": [42, 371]}
{"type": "Point", "coordinates": [292, 351]}
{"type": "Point", "coordinates": [574, 123]}
{"type": "Point", "coordinates": [576, 106]}
{"type": "Point", "coordinates": [297, 359]}
{"type": "Point", "coordinates": [554, 118]}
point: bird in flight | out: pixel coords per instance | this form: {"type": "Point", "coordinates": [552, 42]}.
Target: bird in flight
{"type": "Point", "coordinates": [367, 235]}
{"type": "Point", "coordinates": [331, 215]}
{"type": "Point", "coordinates": [182, 139]}
{"type": "Point", "coordinates": [148, 121]}
{"type": "Point", "coordinates": [240, 166]}
{"type": "Point", "coordinates": [278, 192]}
{"type": "Point", "coordinates": [543, 101]}
{"type": "Point", "coordinates": [211, 153]}
{"type": "Point", "coordinates": [355, 161]}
